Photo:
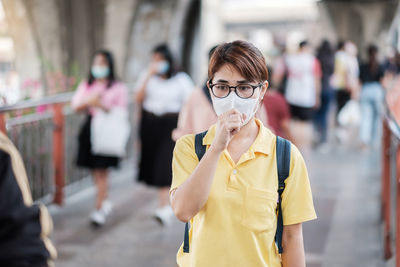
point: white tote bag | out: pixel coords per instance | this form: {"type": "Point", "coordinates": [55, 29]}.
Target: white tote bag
{"type": "Point", "coordinates": [350, 115]}
{"type": "Point", "coordinates": [110, 132]}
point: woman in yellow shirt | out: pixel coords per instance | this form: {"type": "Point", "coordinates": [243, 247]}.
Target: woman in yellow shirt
{"type": "Point", "coordinates": [230, 195]}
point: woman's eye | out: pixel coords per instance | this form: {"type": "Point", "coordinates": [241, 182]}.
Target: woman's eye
{"type": "Point", "coordinates": [244, 87]}
{"type": "Point", "coordinates": [221, 87]}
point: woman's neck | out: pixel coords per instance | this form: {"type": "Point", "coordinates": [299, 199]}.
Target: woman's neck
{"type": "Point", "coordinates": [102, 80]}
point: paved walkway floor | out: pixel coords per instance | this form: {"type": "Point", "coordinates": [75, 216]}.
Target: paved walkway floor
{"type": "Point", "coordinates": [346, 188]}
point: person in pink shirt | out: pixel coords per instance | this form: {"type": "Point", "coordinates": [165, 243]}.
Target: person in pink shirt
{"type": "Point", "coordinates": [101, 91]}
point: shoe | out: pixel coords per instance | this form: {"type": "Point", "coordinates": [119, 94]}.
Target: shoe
{"type": "Point", "coordinates": [106, 207]}
{"type": "Point", "coordinates": [164, 215]}
{"type": "Point", "coordinates": [97, 218]}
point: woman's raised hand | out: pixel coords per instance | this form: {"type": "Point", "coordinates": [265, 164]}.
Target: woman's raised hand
{"type": "Point", "coordinates": [228, 125]}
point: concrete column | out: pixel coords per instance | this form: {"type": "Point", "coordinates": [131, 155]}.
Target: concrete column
{"type": "Point", "coordinates": [118, 25]}
{"type": "Point", "coordinates": [151, 26]}
{"type": "Point", "coordinates": [27, 55]}
{"type": "Point", "coordinates": [363, 22]}
{"type": "Point", "coordinates": [212, 32]}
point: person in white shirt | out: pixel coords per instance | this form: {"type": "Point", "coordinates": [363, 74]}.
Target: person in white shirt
{"type": "Point", "coordinates": [302, 92]}
{"type": "Point", "coordinates": [161, 92]}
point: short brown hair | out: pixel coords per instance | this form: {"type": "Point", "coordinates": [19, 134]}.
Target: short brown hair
{"type": "Point", "coordinates": [241, 55]}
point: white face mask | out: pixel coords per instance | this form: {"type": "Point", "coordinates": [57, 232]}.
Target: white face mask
{"type": "Point", "coordinates": [246, 106]}
{"type": "Point", "coordinates": [163, 67]}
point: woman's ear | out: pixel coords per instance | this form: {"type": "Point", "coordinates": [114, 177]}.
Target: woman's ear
{"type": "Point", "coordinates": [264, 89]}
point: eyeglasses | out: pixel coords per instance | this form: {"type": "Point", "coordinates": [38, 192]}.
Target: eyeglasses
{"type": "Point", "coordinates": [222, 90]}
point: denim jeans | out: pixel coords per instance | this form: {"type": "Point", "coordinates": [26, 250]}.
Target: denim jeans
{"type": "Point", "coordinates": [371, 102]}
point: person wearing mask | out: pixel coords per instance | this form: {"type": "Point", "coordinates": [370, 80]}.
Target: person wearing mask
{"type": "Point", "coordinates": [325, 56]}
{"type": "Point", "coordinates": [371, 98]}
{"type": "Point", "coordinates": [161, 92]}
{"type": "Point", "coordinates": [230, 194]}
{"type": "Point", "coordinates": [197, 113]}
{"type": "Point", "coordinates": [25, 226]}
{"type": "Point", "coordinates": [100, 92]}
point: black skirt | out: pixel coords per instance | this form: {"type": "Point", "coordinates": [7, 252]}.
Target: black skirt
{"type": "Point", "coordinates": [156, 148]}
{"type": "Point", "coordinates": [85, 156]}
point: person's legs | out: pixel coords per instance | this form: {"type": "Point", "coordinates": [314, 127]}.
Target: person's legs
{"type": "Point", "coordinates": [98, 217]}
{"type": "Point", "coordinates": [163, 197]}
{"type": "Point", "coordinates": [377, 103]}
{"type": "Point", "coordinates": [321, 118]}
{"type": "Point", "coordinates": [101, 180]}
{"type": "Point", "coordinates": [366, 118]}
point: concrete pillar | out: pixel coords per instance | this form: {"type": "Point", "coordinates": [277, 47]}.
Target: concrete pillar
{"type": "Point", "coordinates": [27, 53]}
{"type": "Point", "coordinates": [118, 25]}
{"type": "Point", "coordinates": [363, 22]}
{"type": "Point", "coordinates": [212, 32]}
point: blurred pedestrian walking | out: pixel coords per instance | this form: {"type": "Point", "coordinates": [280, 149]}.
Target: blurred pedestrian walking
{"type": "Point", "coordinates": [100, 93]}
{"type": "Point", "coordinates": [302, 92]}
{"type": "Point", "coordinates": [346, 72]}
{"type": "Point", "coordinates": [345, 81]}
{"type": "Point", "coordinates": [278, 110]}
{"type": "Point", "coordinates": [161, 92]}
{"type": "Point", "coordinates": [371, 98]}
{"type": "Point", "coordinates": [325, 55]}
{"type": "Point", "coordinates": [25, 226]}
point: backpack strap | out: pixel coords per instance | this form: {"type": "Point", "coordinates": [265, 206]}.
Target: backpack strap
{"type": "Point", "coordinates": [283, 166]}
{"type": "Point", "coordinates": [200, 150]}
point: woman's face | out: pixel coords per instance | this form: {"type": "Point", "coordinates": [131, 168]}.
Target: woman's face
{"type": "Point", "coordinates": [100, 60]}
{"type": "Point", "coordinates": [160, 64]}
{"type": "Point", "coordinates": [100, 68]}
{"type": "Point", "coordinates": [158, 57]}
{"type": "Point", "coordinates": [229, 75]}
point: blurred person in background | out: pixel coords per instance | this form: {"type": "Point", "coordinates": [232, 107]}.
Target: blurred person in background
{"type": "Point", "coordinates": [371, 98]}
{"type": "Point", "coordinates": [339, 80]}
{"type": "Point", "coordinates": [278, 111]}
{"type": "Point", "coordinates": [302, 92]}
{"type": "Point", "coordinates": [161, 92]}
{"type": "Point", "coordinates": [325, 55]}
{"type": "Point", "coordinates": [228, 195]}
{"type": "Point", "coordinates": [197, 114]}
{"type": "Point", "coordinates": [101, 91]}
{"type": "Point", "coordinates": [345, 75]}
{"type": "Point", "coordinates": [345, 81]}
{"type": "Point", "coordinates": [24, 226]}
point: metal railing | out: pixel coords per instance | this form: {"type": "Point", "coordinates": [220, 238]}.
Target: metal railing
{"type": "Point", "coordinates": [45, 133]}
{"type": "Point", "coordinates": [391, 180]}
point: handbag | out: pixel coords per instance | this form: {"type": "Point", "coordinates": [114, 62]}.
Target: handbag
{"type": "Point", "coordinates": [350, 115]}
{"type": "Point", "coordinates": [110, 132]}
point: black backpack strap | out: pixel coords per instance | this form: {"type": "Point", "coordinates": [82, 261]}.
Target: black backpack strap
{"type": "Point", "coordinates": [283, 166]}
{"type": "Point", "coordinates": [200, 150]}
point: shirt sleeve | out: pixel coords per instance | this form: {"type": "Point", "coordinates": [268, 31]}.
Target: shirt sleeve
{"type": "Point", "coordinates": [79, 94]}
{"type": "Point", "coordinates": [297, 202]}
{"type": "Point", "coordinates": [184, 160]}
{"type": "Point", "coordinates": [317, 68]}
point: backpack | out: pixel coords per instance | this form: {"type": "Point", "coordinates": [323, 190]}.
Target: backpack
{"type": "Point", "coordinates": [283, 166]}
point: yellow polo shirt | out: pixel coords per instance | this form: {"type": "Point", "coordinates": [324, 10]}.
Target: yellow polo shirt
{"type": "Point", "coordinates": [237, 225]}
